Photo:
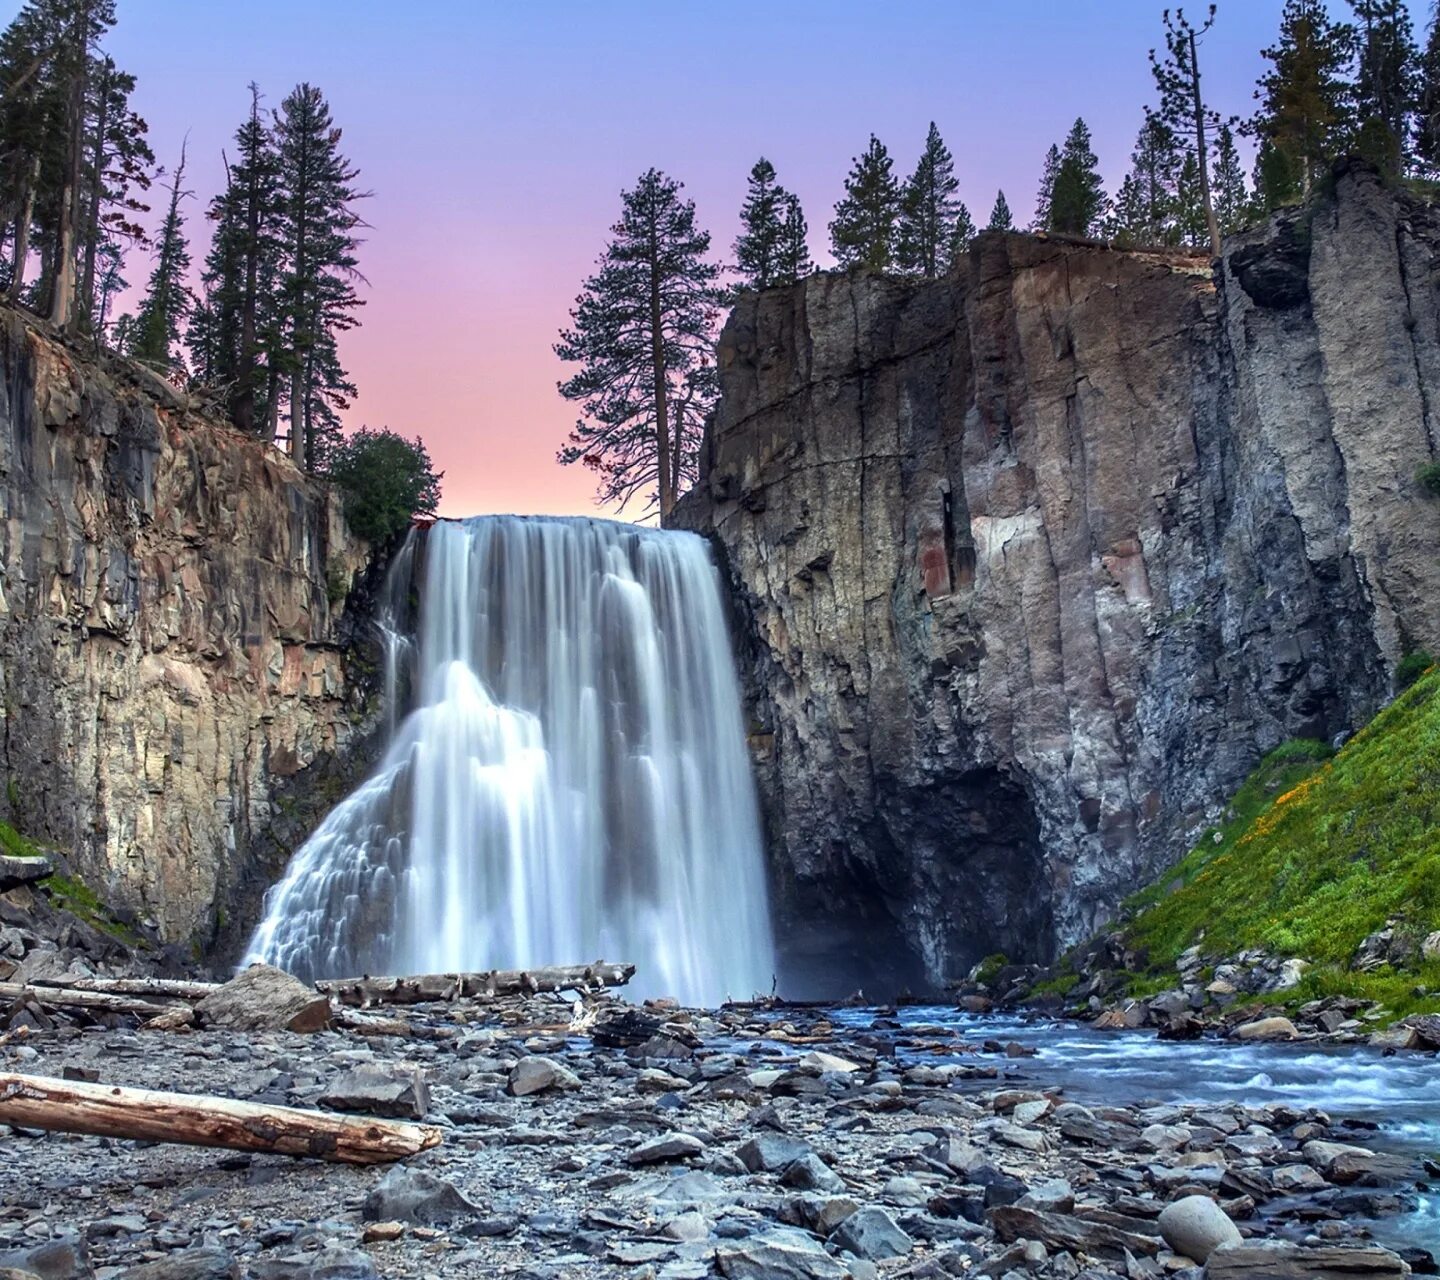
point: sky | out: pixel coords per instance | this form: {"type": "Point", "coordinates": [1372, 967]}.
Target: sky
{"type": "Point", "coordinates": [497, 137]}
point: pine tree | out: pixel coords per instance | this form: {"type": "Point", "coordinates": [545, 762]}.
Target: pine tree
{"type": "Point", "coordinates": [793, 262]}
{"type": "Point", "coordinates": [1046, 194]}
{"type": "Point", "coordinates": [1232, 198]}
{"type": "Point", "coordinates": [1192, 224]}
{"type": "Point", "coordinates": [1427, 106]}
{"type": "Point", "coordinates": [1000, 219]}
{"type": "Point", "coordinates": [927, 210]}
{"type": "Point", "coordinates": [1386, 87]}
{"type": "Point", "coordinates": [1078, 199]}
{"type": "Point", "coordinates": [962, 232]}
{"type": "Point", "coordinates": [156, 333]}
{"type": "Point", "coordinates": [757, 251]}
{"type": "Point", "coordinates": [317, 293]}
{"type": "Point", "coordinates": [642, 333]}
{"type": "Point", "coordinates": [1182, 105]}
{"type": "Point", "coordinates": [863, 232]}
{"type": "Point", "coordinates": [1303, 111]}
{"type": "Point", "coordinates": [1144, 211]}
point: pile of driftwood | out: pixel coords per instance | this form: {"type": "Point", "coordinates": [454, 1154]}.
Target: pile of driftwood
{"type": "Point", "coordinates": [260, 998]}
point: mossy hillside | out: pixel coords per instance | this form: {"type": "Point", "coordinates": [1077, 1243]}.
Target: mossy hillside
{"type": "Point", "coordinates": [1318, 852]}
{"type": "Point", "coordinates": [66, 892]}
{"type": "Point", "coordinates": [14, 845]}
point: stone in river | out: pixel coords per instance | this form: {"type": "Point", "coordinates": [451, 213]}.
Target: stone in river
{"type": "Point", "coordinates": [871, 1233]}
{"type": "Point", "coordinates": [263, 998]}
{"type": "Point", "coordinates": [1267, 1029]}
{"type": "Point", "coordinates": [668, 1146]}
{"type": "Point", "coordinates": [537, 1074]}
{"type": "Point", "coordinates": [1296, 1179]}
{"type": "Point", "coordinates": [1196, 1226]}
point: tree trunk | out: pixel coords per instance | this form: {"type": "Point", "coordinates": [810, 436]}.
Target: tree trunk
{"type": "Point", "coordinates": [272, 399]}
{"type": "Point", "coordinates": [657, 373]}
{"type": "Point", "coordinates": [92, 217]}
{"type": "Point", "coordinates": [22, 229]}
{"type": "Point", "coordinates": [363, 992]}
{"type": "Point", "coordinates": [297, 415]}
{"type": "Point", "coordinates": [40, 1102]}
{"type": "Point", "coordinates": [242, 409]}
{"type": "Point", "coordinates": [62, 285]}
{"type": "Point", "coordinates": [1201, 152]}
{"type": "Point", "coordinates": [92, 1001]}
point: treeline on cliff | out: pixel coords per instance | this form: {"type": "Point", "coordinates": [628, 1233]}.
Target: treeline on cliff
{"type": "Point", "coordinates": [644, 323]}
{"type": "Point", "coordinates": [257, 321]}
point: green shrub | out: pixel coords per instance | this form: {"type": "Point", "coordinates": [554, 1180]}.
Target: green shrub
{"type": "Point", "coordinates": [989, 967]}
{"type": "Point", "coordinates": [386, 481]}
{"type": "Point", "coordinates": [1429, 477]}
{"type": "Point", "coordinates": [1411, 667]}
{"type": "Point", "coordinates": [15, 845]}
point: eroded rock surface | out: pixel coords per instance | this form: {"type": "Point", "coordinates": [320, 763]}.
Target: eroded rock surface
{"type": "Point", "coordinates": [1032, 563]}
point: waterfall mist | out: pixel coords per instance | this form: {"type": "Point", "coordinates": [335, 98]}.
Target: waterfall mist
{"type": "Point", "coordinates": [572, 783]}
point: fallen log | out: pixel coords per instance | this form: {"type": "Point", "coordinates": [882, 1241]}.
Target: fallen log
{"type": "Point", "coordinates": [48, 997]}
{"type": "Point", "coordinates": [421, 988]}
{"type": "Point", "coordinates": [199, 1120]}
{"type": "Point", "coordinates": [161, 988]}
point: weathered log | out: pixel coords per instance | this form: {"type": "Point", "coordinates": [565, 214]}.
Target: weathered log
{"type": "Point", "coordinates": [422, 988]}
{"type": "Point", "coordinates": [42, 1102]}
{"type": "Point", "coordinates": [161, 988]}
{"type": "Point", "coordinates": [52, 997]}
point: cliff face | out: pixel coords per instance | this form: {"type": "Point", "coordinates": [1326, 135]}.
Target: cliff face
{"type": "Point", "coordinates": [175, 699]}
{"type": "Point", "coordinates": [1033, 562]}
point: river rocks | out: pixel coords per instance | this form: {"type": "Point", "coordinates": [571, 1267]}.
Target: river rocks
{"type": "Point", "coordinates": [1267, 1029]}
{"type": "Point", "coordinates": [397, 1091]}
{"type": "Point", "coordinates": [413, 1195]}
{"type": "Point", "coordinates": [770, 1152]}
{"type": "Point", "coordinates": [263, 998]}
{"type": "Point", "coordinates": [778, 1255]}
{"type": "Point", "coordinates": [538, 1074]}
{"type": "Point", "coordinates": [1292, 1262]}
{"type": "Point", "coordinates": [810, 1173]}
{"type": "Point", "coordinates": [1196, 1226]}
{"type": "Point", "coordinates": [871, 1233]}
{"type": "Point", "coordinates": [667, 1147]}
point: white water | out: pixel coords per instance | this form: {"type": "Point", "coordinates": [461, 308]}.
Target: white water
{"type": "Point", "coordinates": [572, 784]}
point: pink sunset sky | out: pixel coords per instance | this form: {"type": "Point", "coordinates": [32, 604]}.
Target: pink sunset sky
{"type": "Point", "coordinates": [497, 139]}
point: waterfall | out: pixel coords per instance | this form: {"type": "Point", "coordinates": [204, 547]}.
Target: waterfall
{"type": "Point", "coordinates": [571, 785]}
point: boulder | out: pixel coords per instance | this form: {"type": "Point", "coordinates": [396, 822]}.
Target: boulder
{"type": "Point", "coordinates": [872, 1234]}
{"type": "Point", "coordinates": [1283, 1261]}
{"type": "Point", "coordinates": [1196, 1226]}
{"type": "Point", "coordinates": [263, 998]}
{"type": "Point", "coordinates": [668, 1146]}
{"type": "Point", "coordinates": [810, 1173]}
{"type": "Point", "coordinates": [412, 1195]}
{"type": "Point", "coordinates": [778, 1254]}
{"type": "Point", "coordinates": [17, 871]}
{"type": "Point", "coordinates": [771, 1152]}
{"type": "Point", "coordinates": [1267, 1029]}
{"type": "Point", "coordinates": [61, 1259]}
{"type": "Point", "coordinates": [189, 1264]}
{"type": "Point", "coordinates": [397, 1091]}
{"type": "Point", "coordinates": [537, 1074]}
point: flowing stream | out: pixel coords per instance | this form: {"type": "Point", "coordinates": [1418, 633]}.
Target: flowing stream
{"type": "Point", "coordinates": [571, 785]}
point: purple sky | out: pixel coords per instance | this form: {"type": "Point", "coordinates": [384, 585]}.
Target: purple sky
{"type": "Point", "coordinates": [497, 138]}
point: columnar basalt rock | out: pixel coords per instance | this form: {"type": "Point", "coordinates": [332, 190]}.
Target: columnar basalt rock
{"type": "Point", "coordinates": [172, 635]}
{"type": "Point", "coordinates": [1032, 562]}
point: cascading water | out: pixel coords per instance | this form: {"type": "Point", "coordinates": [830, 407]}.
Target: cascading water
{"type": "Point", "coordinates": [572, 784]}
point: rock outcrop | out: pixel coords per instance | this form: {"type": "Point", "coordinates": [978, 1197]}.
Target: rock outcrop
{"type": "Point", "coordinates": [1031, 563]}
{"type": "Point", "coordinates": [176, 704]}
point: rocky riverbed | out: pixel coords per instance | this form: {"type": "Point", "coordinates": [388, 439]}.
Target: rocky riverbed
{"type": "Point", "coordinates": [674, 1145]}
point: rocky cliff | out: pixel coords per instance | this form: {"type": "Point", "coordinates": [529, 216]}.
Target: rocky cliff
{"type": "Point", "coordinates": [1032, 562]}
{"type": "Point", "coordinates": [172, 625]}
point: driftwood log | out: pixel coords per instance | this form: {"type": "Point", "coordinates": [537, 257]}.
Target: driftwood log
{"type": "Point", "coordinates": [41, 1102]}
{"type": "Point", "coordinates": [364, 992]}
{"type": "Point", "coordinates": [56, 997]}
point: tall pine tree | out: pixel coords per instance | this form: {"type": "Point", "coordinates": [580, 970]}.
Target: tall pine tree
{"type": "Point", "coordinates": [1000, 216]}
{"type": "Point", "coordinates": [927, 210]}
{"type": "Point", "coordinates": [317, 292]}
{"type": "Point", "coordinates": [1232, 198]}
{"type": "Point", "coordinates": [1182, 105]}
{"type": "Point", "coordinates": [762, 229]}
{"type": "Point", "coordinates": [794, 257]}
{"type": "Point", "coordinates": [863, 232]}
{"type": "Point", "coordinates": [1386, 87]}
{"type": "Point", "coordinates": [1043, 197]}
{"type": "Point", "coordinates": [962, 232]}
{"type": "Point", "coordinates": [1427, 105]}
{"type": "Point", "coordinates": [642, 332]}
{"type": "Point", "coordinates": [1144, 212]}
{"type": "Point", "coordinates": [155, 338]}
{"type": "Point", "coordinates": [1078, 199]}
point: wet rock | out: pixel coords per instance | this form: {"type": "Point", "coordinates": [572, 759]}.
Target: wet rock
{"type": "Point", "coordinates": [1064, 1231]}
{"type": "Point", "coordinates": [871, 1233]}
{"type": "Point", "coordinates": [538, 1074]}
{"type": "Point", "coordinates": [1196, 1226]}
{"type": "Point", "coordinates": [263, 998]}
{"type": "Point", "coordinates": [394, 1090]}
{"type": "Point", "coordinates": [415, 1196]}
{"type": "Point", "coordinates": [1267, 1029]}
{"type": "Point", "coordinates": [667, 1147]}
{"type": "Point", "coordinates": [1283, 1261]}
{"type": "Point", "coordinates": [1296, 1179]}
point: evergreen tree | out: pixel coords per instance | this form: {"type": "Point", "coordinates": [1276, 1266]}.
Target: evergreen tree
{"type": "Point", "coordinates": [1232, 199]}
{"type": "Point", "coordinates": [962, 232]}
{"type": "Point", "coordinates": [1277, 177]}
{"type": "Point", "coordinates": [863, 232]}
{"type": "Point", "coordinates": [1303, 110]}
{"type": "Point", "coordinates": [156, 333]}
{"type": "Point", "coordinates": [642, 334]}
{"type": "Point", "coordinates": [1427, 106]}
{"type": "Point", "coordinates": [1182, 105]}
{"type": "Point", "coordinates": [1144, 211]}
{"type": "Point", "coordinates": [385, 481]}
{"type": "Point", "coordinates": [794, 258]}
{"type": "Point", "coordinates": [1046, 194]}
{"type": "Point", "coordinates": [1386, 85]}
{"type": "Point", "coordinates": [1192, 224]}
{"type": "Point", "coordinates": [317, 293]}
{"type": "Point", "coordinates": [758, 250]}
{"type": "Point", "coordinates": [1078, 199]}
{"type": "Point", "coordinates": [927, 210]}
{"type": "Point", "coordinates": [1000, 219]}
